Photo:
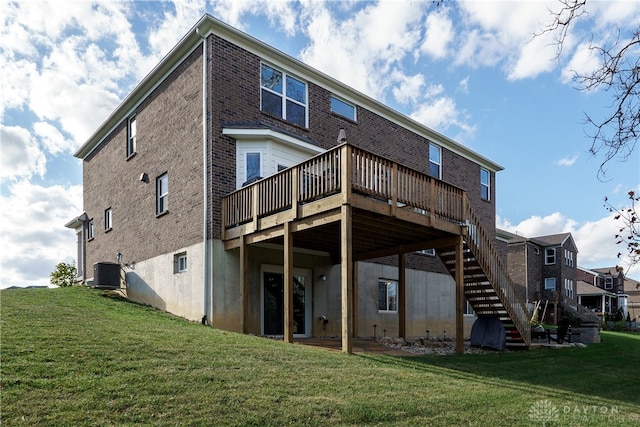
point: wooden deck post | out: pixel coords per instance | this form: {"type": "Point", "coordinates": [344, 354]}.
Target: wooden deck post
{"type": "Point", "coordinates": [460, 295]}
{"type": "Point", "coordinates": [288, 283]}
{"type": "Point", "coordinates": [347, 279]}
{"type": "Point", "coordinates": [244, 282]}
{"type": "Point", "coordinates": [402, 296]}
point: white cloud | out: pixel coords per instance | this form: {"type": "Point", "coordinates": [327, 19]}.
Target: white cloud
{"type": "Point", "coordinates": [408, 89]}
{"type": "Point", "coordinates": [21, 155]}
{"type": "Point", "coordinates": [29, 253]}
{"type": "Point", "coordinates": [51, 139]}
{"type": "Point", "coordinates": [439, 34]}
{"type": "Point", "coordinates": [583, 61]}
{"type": "Point", "coordinates": [567, 161]}
{"type": "Point", "coordinates": [174, 25]}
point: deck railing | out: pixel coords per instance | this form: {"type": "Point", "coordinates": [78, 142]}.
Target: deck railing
{"type": "Point", "coordinates": [482, 247]}
{"type": "Point", "coordinates": [323, 175]}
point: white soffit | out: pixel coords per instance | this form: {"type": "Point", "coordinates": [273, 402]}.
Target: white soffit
{"type": "Point", "coordinates": [263, 134]}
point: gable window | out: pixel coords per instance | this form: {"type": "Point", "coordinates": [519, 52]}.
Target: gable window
{"type": "Point", "coordinates": [550, 256]}
{"type": "Point", "coordinates": [162, 194]}
{"type": "Point", "coordinates": [180, 263]}
{"type": "Point", "coordinates": [435, 161]}
{"type": "Point", "coordinates": [608, 282]}
{"type": "Point", "coordinates": [253, 166]}
{"type": "Point", "coordinates": [342, 108]}
{"type": "Point", "coordinates": [485, 185]}
{"type": "Point", "coordinates": [131, 136]}
{"type": "Point", "coordinates": [550, 284]}
{"type": "Point", "coordinates": [387, 295]}
{"type": "Point", "coordinates": [90, 230]}
{"type": "Point", "coordinates": [108, 216]}
{"type": "Point", "coordinates": [283, 95]}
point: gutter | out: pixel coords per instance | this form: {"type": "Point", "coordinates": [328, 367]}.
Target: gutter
{"type": "Point", "coordinates": [206, 282]}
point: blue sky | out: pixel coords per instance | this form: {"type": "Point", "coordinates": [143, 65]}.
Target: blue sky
{"type": "Point", "coordinates": [470, 70]}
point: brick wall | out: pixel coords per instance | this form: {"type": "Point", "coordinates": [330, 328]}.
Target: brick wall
{"type": "Point", "coordinates": [169, 139]}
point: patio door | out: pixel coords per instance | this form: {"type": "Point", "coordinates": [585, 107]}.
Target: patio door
{"type": "Point", "coordinates": [273, 302]}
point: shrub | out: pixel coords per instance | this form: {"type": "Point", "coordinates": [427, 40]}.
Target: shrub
{"type": "Point", "coordinates": [64, 275]}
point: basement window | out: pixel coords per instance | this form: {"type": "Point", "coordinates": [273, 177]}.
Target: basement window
{"type": "Point", "coordinates": [387, 295]}
{"type": "Point", "coordinates": [180, 263]}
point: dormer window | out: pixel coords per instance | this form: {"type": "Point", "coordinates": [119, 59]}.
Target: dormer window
{"type": "Point", "coordinates": [283, 96]}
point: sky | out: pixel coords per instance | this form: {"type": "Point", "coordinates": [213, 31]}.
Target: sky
{"type": "Point", "coordinates": [470, 70]}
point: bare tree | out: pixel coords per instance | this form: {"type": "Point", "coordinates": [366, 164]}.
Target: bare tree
{"type": "Point", "coordinates": [629, 231]}
{"type": "Point", "coordinates": [616, 135]}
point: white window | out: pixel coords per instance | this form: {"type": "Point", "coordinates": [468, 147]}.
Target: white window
{"type": "Point", "coordinates": [253, 166]}
{"type": "Point", "coordinates": [608, 282]}
{"type": "Point", "coordinates": [162, 194]}
{"type": "Point", "coordinates": [568, 288]}
{"type": "Point", "coordinates": [343, 108]}
{"type": "Point", "coordinates": [108, 216]}
{"type": "Point", "coordinates": [131, 136]}
{"type": "Point", "coordinates": [550, 284]}
{"type": "Point", "coordinates": [568, 258]}
{"type": "Point", "coordinates": [430, 252]}
{"type": "Point", "coordinates": [90, 229]}
{"type": "Point", "coordinates": [536, 251]}
{"type": "Point", "coordinates": [485, 184]}
{"type": "Point", "coordinates": [387, 295]}
{"type": "Point", "coordinates": [180, 262]}
{"type": "Point", "coordinates": [468, 309]}
{"type": "Point", "coordinates": [283, 95]}
{"type": "Point", "coordinates": [550, 256]}
{"type": "Point", "coordinates": [435, 161]}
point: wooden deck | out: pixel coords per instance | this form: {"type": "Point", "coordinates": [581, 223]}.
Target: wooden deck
{"type": "Point", "coordinates": [355, 205]}
{"type": "Point", "coordinates": [394, 209]}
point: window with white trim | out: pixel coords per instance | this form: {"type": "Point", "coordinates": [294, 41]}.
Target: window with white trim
{"type": "Point", "coordinates": [468, 308]}
{"type": "Point", "coordinates": [283, 96]}
{"type": "Point", "coordinates": [608, 282]}
{"type": "Point", "coordinates": [90, 230]}
{"type": "Point", "coordinates": [108, 217]}
{"type": "Point", "coordinates": [550, 256]}
{"type": "Point", "coordinates": [435, 161]}
{"type": "Point", "coordinates": [568, 258]}
{"type": "Point", "coordinates": [180, 263]}
{"type": "Point", "coordinates": [568, 288]}
{"type": "Point", "coordinates": [430, 252]}
{"type": "Point", "coordinates": [343, 108]}
{"type": "Point", "coordinates": [387, 295]}
{"type": "Point", "coordinates": [550, 284]}
{"type": "Point", "coordinates": [485, 184]}
{"type": "Point", "coordinates": [252, 166]}
{"type": "Point", "coordinates": [131, 136]}
{"type": "Point", "coordinates": [162, 194]}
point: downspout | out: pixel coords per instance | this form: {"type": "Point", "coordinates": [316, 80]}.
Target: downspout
{"type": "Point", "coordinates": [526, 273]}
{"type": "Point", "coordinates": [205, 182]}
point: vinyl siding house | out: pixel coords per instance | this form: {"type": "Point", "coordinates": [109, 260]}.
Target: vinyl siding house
{"type": "Point", "coordinates": [239, 187]}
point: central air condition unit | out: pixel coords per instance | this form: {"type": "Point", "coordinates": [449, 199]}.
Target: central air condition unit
{"type": "Point", "coordinates": [106, 275]}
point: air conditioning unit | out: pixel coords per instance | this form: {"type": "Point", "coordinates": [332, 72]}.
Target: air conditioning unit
{"type": "Point", "coordinates": [106, 275]}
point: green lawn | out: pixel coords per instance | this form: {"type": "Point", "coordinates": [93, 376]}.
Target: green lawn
{"type": "Point", "coordinates": [76, 356]}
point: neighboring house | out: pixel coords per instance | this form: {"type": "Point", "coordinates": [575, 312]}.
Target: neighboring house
{"type": "Point", "coordinates": [602, 290]}
{"type": "Point", "coordinates": [544, 269]}
{"type": "Point", "coordinates": [632, 288]}
{"type": "Point", "coordinates": [239, 187]}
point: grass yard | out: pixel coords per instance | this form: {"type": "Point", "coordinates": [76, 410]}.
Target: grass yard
{"type": "Point", "coordinates": [75, 356]}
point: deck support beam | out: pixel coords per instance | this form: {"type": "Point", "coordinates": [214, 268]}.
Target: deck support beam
{"type": "Point", "coordinates": [402, 296]}
{"type": "Point", "coordinates": [288, 283]}
{"type": "Point", "coordinates": [460, 295]}
{"type": "Point", "coordinates": [244, 282]}
{"type": "Point", "coordinates": [346, 270]}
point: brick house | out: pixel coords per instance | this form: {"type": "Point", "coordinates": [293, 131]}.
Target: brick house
{"type": "Point", "coordinates": [545, 270]}
{"type": "Point", "coordinates": [602, 290]}
{"type": "Point", "coordinates": [239, 187]}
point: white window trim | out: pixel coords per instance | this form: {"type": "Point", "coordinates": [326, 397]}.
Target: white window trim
{"type": "Point", "coordinates": [355, 110]}
{"type": "Point", "coordinates": [284, 96]}
{"type": "Point", "coordinates": [486, 185]}
{"type": "Point", "coordinates": [550, 280]}
{"type": "Point", "coordinates": [132, 136]}
{"type": "Point", "coordinates": [546, 258]}
{"type": "Point", "coordinates": [388, 282]}
{"type": "Point", "coordinates": [431, 161]}
{"type": "Point", "coordinates": [108, 219]}
{"type": "Point", "coordinates": [162, 196]}
{"type": "Point", "coordinates": [90, 230]}
{"type": "Point", "coordinates": [180, 267]}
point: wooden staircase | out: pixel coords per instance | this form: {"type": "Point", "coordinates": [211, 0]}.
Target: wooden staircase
{"type": "Point", "coordinates": [487, 285]}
